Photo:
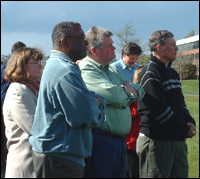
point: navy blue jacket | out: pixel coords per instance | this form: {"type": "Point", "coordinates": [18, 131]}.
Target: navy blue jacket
{"type": "Point", "coordinates": [4, 84]}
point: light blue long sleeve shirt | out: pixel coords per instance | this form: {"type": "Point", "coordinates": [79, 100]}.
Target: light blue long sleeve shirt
{"type": "Point", "coordinates": [66, 110]}
{"type": "Point", "coordinates": [127, 72]}
{"type": "Point", "coordinates": [106, 81]}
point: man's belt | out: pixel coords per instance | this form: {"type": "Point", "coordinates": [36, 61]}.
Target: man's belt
{"type": "Point", "coordinates": [107, 133]}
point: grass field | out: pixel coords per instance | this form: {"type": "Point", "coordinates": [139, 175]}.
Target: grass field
{"type": "Point", "coordinates": [192, 87]}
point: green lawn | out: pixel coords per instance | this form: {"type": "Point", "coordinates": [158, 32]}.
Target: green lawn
{"type": "Point", "coordinates": [192, 87]}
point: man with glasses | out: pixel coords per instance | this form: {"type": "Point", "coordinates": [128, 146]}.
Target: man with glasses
{"type": "Point", "coordinates": [66, 109]}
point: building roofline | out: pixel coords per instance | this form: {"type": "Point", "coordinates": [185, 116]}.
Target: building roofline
{"type": "Point", "coordinates": [187, 40]}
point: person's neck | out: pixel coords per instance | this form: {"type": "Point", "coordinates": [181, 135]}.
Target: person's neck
{"type": "Point", "coordinates": [166, 62]}
{"type": "Point", "coordinates": [65, 52]}
{"type": "Point", "coordinates": [98, 60]}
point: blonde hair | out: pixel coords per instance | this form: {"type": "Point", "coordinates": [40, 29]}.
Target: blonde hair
{"type": "Point", "coordinates": [137, 73]}
{"type": "Point", "coordinates": [16, 70]}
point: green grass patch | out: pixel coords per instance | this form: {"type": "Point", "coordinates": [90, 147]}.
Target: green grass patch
{"type": "Point", "coordinates": [192, 87]}
{"type": "Point", "coordinates": [193, 144]}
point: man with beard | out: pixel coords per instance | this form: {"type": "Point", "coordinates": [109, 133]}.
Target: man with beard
{"type": "Point", "coordinates": [128, 63]}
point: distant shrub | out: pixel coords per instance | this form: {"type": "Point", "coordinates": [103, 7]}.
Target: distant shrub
{"type": "Point", "coordinates": [143, 59]}
{"type": "Point", "coordinates": [188, 71]}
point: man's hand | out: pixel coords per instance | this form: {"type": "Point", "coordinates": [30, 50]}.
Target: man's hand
{"type": "Point", "coordinates": [131, 90]}
{"type": "Point", "coordinates": [127, 83]}
{"type": "Point", "coordinates": [192, 131]}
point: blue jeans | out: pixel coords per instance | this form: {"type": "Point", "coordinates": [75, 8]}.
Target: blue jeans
{"type": "Point", "coordinates": [108, 158]}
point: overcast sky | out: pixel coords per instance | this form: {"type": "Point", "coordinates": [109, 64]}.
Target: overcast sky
{"type": "Point", "coordinates": [32, 22]}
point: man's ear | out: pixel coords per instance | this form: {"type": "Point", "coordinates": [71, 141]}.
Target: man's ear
{"type": "Point", "coordinates": [159, 48]}
{"type": "Point", "coordinates": [124, 55]}
{"type": "Point", "coordinates": [64, 42]}
{"type": "Point", "coordinates": [94, 51]}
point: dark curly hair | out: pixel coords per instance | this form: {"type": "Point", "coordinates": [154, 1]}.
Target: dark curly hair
{"type": "Point", "coordinates": [62, 30]}
{"type": "Point", "coordinates": [131, 49]}
{"type": "Point", "coordinates": [17, 45]}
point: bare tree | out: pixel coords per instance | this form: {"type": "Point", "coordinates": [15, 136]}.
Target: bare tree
{"type": "Point", "coordinates": [127, 34]}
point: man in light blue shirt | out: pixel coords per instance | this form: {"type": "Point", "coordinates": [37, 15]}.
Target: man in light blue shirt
{"type": "Point", "coordinates": [127, 64]}
{"type": "Point", "coordinates": [66, 110]}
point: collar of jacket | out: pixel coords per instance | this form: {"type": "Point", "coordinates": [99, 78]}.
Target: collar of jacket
{"type": "Point", "coordinates": [100, 66]}
{"type": "Point", "coordinates": [63, 56]}
{"type": "Point", "coordinates": [156, 60]}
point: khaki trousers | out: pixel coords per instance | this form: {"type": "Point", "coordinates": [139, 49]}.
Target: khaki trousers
{"type": "Point", "coordinates": [162, 159]}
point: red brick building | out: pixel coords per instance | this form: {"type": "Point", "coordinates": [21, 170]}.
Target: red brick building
{"type": "Point", "coordinates": [189, 48]}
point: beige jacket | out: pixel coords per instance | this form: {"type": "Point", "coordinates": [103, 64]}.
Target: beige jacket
{"type": "Point", "coordinates": [18, 110]}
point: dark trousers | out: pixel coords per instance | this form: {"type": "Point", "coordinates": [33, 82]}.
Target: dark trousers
{"type": "Point", "coordinates": [108, 158]}
{"type": "Point", "coordinates": [132, 164]}
{"type": "Point", "coordinates": [48, 166]}
{"type": "Point", "coordinates": [4, 150]}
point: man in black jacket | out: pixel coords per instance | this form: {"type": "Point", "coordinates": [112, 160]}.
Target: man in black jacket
{"type": "Point", "coordinates": [165, 119]}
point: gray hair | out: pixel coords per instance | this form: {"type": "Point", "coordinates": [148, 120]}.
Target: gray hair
{"type": "Point", "coordinates": [158, 38]}
{"type": "Point", "coordinates": [62, 30]}
{"type": "Point", "coordinates": [95, 37]}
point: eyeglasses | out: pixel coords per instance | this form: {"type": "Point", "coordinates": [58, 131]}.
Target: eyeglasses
{"type": "Point", "coordinates": [82, 37]}
{"type": "Point", "coordinates": [37, 63]}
